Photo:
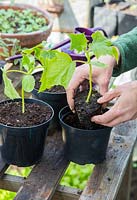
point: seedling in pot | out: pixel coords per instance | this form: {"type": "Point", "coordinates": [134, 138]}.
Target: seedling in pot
{"type": "Point", "coordinates": [100, 46]}
{"type": "Point", "coordinates": [27, 80]}
{"type": "Point", "coordinates": [56, 67]}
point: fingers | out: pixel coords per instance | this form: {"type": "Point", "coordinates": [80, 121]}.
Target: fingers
{"type": "Point", "coordinates": [80, 74]}
{"type": "Point", "coordinates": [108, 96]}
{"type": "Point", "coordinates": [70, 98]}
{"type": "Point", "coordinates": [107, 117]}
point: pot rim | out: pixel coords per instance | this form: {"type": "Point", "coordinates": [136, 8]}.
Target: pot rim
{"type": "Point", "coordinates": [85, 130]}
{"type": "Point", "coordinates": [33, 8]}
{"type": "Point", "coordinates": [33, 126]}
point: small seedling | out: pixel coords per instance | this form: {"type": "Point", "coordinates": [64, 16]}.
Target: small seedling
{"type": "Point", "coordinates": [100, 46]}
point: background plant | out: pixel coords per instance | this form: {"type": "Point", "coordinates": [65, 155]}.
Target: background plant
{"type": "Point", "coordinates": [24, 21]}
{"type": "Point", "coordinates": [9, 47]}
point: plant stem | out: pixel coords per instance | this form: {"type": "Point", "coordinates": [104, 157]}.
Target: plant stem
{"type": "Point", "coordinates": [90, 77]}
{"type": "Point", "coordinates": [81, 61]}
{"type": "Point", "coordinates": [90, 83]}
{"type": "Point", "coordinates": [23, 101]}
{"type": "Point", "coordinates": [14, 70]}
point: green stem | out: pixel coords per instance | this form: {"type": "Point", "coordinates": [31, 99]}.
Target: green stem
{"type": "Point", "coordinates": [23, 101]}
{"type": "Point", "coordinates": [90, 78]}
{"type": "Point", "coordinates": [90, 83]}
{"type": "Point", "coordinates": [81, 61]}
{"type": "Point", "coordinates": [14, 70]}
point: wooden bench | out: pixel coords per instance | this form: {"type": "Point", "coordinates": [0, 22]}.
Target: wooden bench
{"type": "Point", "coordinates": [109, 180]}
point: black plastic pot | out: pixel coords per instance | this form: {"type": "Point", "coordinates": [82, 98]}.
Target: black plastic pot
{"type": "Point", "coordinates": [56, 100]}
{"type": "Point", "coordinates": [84, 146]}
{"type": "Point", "coordinates": [126, 22]}
{"type": "Point", "coordinates": [2, 63]}
{"type": "Point", "coordinates": [24, 146]}
{"type": "Point", "coordinates": [106, 18]}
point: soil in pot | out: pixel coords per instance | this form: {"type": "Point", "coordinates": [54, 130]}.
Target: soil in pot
{"type": "Point", "coordinates": [11, 114]}
{"type": "Point", "coordinates": [23, 135]}
{"type": "Point", "coordinates": [86, 110]}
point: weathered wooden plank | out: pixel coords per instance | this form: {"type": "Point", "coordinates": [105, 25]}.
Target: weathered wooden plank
{"type": "Point", "coordinates": [106, 179]}
{"type": "Point", "coordinates": [44, 178]}
{"type": "Point", "coordinates": [126, 183]}
{"type": "Point", "coordinates": [13, 183]}
{"type": "Point", "coordinates": [66, 193]}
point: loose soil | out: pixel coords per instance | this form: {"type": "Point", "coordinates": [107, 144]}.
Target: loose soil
{"type": "Point", "coordinates": [55, 89]}
{"type": "Point", "coordinates": [11, 114]}
{"type": "Point", "coordinates": [86, 110]}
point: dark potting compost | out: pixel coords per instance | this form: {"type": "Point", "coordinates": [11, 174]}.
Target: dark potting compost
{"type": "Point", "coordinates": [85, 110]}
{"type": "Point", "coordinates": [11, 114]}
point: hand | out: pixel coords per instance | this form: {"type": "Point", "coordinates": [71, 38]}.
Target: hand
{"type": "Point", "coordinates": [125, 107]}
{"type": "Point", "coordinates": [100, 76]}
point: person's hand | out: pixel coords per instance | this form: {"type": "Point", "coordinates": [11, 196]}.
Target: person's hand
{"type": "Point", "coordinates": [100, 76]}
{"type": "Point", "coordinates": [123, 110]}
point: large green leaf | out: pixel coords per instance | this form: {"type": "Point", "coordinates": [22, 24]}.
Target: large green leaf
{"type": "Point", "coordinates": [28, 62]}
{"type": "Point", "coordinates": [9, 89]}
{"type": "Point", "coordinates": [101, 45]}
{"type": "Point", "coordinates": [28, 83]}
{"type": "Point", "coordinates": [58, 71]}
{"type": "Point", "coordinates": [45, 55]}
{"type": "Point", "coordinates": [78, 42]}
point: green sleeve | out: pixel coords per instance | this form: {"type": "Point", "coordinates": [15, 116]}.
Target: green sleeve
{"type": "Point", "coordinates": [127, 45]}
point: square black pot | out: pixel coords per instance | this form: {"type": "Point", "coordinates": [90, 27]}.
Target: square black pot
{"type": "Point", "coordinates": [105, 18]}
{"type": "Point", "coordinates": [2, 63]}
{"type": "Point", "coordinates": [126, 22]}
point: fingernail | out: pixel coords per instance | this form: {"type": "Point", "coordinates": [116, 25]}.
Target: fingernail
{"type": "Point", "coordinates": [92, 119]}
{"type": "Point", "coordinates": [73, 111]}
{"type": "Point", "coordinates": [100, 99]}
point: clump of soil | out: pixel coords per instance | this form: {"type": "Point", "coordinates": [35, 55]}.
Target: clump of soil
{"type": "Point", "coordinates": [72, 120]}
{"type": "Point", "coordinates": [54, 89]}
{"type": "Point", "coordinates": [86, 110]}
{"type": "Point", "coordinates": [11, 114]}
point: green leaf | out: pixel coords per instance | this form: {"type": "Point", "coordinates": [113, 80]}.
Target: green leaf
{"type": "Point", "coordinates": [28, 83]}
{"type": "Point", "coordinates": [98, 64]}
{"type": "Point", "coordinates": [45, 55]}
{"type": "Point", "coordinates": [101, 45]}
{"type": "Point", "coordinates": [28, 62]}
{"type": "Point", "coordinates": [31, 50]}
{"type": "Point", "coordinates": [9, 89]}
{"type": "Point", "coordinates": [58, 71]}
{"type": "Point", "coordinates": [78, 42]}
